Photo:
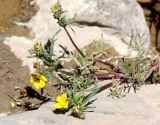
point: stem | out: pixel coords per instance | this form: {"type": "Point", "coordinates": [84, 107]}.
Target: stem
{"type": "Point", "coordinates": [111, 76]}
{"type": "Point", "coordinates": [104, 87]}
{"type": "Point", "coordinates": [73, 42]}
{"type": "Point", "coordinates": [113, 67]}
{"type": "Point", "coordinates": [100, 75]}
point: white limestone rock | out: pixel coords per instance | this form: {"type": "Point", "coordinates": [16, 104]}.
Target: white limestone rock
{"type": "Point", "coordinates": [115, 19]}
{"type": "Point", "coordinates": [141, 108]}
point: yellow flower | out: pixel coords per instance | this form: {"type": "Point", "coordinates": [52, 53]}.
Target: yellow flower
{"type": "Point", "coordinates": [62, 102]}
{"type": "Point", "coordinates": [38, 80]}
{"type": "Point", "coordinates": [57, 9]}
{"type": "Point", "coordinates": [38, 48]}
{"type": "Point", "coordinates": [56, 6]}
{"type": "Point", "coordinates": [12, 104]}
{"type": "Point", "coordinates": [23, 92]}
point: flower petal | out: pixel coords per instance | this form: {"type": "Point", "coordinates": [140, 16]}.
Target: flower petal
{"type": "Point", "coordinates": [42, 84]}
{"type": "Point", "coordinates": [65, 104]}
{"type": "Point", "coordinates": [62, 97]}
{"type": "Point", "coordinates": [43, 78]}
{"type": "Point", "coordinates": [59, 98]}
{"type": "Point", "coordinates": [58, 106]}
{"type": "Point", "coordinates": [62, 102]}
{"type": "Point", "coordinates": [38, 80]}
{"type": "Point", "coordinates": [36, 85]}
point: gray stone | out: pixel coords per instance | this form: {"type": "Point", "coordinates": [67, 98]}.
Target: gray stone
{"type": "Point", "coordinates": [114, 19]}
{"type": "Point", "coordinates": [118, 18]}
{"type": "Point", "coordinates": [141, 108]}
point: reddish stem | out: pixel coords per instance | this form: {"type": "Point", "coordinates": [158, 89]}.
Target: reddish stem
{"type": "Point", "coordinates": [110, 76]}
{"type": "Point", "coordinates": [113, 67]}
{"type": "Point", "coordinates": [104, 87]}
{"type": "Point", "coordinates": [73, 42]}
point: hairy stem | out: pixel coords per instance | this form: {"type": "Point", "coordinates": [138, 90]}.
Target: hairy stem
{"type": "Point", "coordinates": [106, 86]}
{"type": "Point", "coordinates": [73, 42]}
{"type": "Point", "coordinates": [111, 76]}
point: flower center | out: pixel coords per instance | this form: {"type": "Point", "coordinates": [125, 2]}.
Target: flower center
{"type": "Point", "coordinates": [35, 77]}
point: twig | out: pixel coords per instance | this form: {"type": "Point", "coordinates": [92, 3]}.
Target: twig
{"type": "Point", "coordinates": [16, 100]}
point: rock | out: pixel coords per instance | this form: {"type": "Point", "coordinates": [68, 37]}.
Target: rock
{"type": "Point", "coordinates": [141, 108]}
{"type": "Point", "coordinates": [115, 19]}
{"type": "Point", "coordinates": [152, 13]}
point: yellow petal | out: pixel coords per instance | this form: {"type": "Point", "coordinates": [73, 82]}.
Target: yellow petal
{"type": "Point", "coordinates": [23, 92]}
{"type": "Point", "coordinates": [62, 97]}
{"type": "Point", "coordinates": [38, 45]}
{"type": "Point", "coordinates": [56, 7]}
{"type": "Point", "coordinates": [58, 106]}
{"type": "Point", "coordinates": [59, 98]}
{"type": "Point", "coordinates": [42, 84]}
{"type": "Point", "coordinates": [37, 85]}
{"type": "Point", "coordinates": [65, 104]}
{"type": "Point", "coordinates": [62, 102]}
{"type": "Point", "coordinates": [43, 78]}
{"type": "Point", "coordinates": [53, 7]}
{"type": "Point", "coordinates": [38, 74]}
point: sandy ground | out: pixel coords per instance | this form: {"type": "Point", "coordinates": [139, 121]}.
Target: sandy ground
{"type": "Point", "coordinates": [12, 74]}
{"type": "Point", "coordinates": [12, 11]}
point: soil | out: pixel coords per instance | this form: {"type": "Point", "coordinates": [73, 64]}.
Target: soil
{"type": "Point", "coordinates": [12, 11]}
{"type": "Point", "coordinates": [12, 73]}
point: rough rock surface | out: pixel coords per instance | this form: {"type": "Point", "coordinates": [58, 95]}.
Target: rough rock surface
{"type": "Point", "coordinates": [115, 19]}
{"type": "Point", "coordinates": [141, 108]}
